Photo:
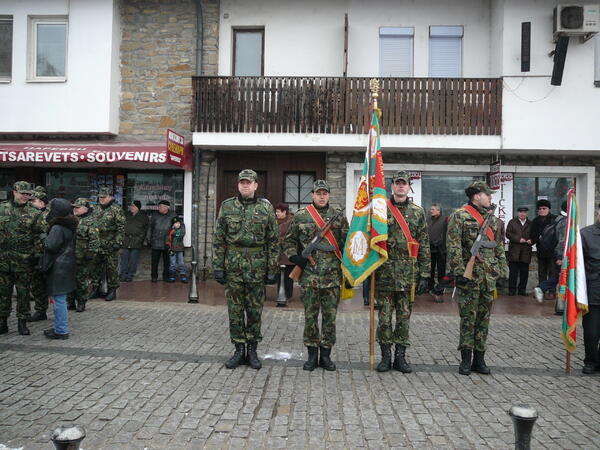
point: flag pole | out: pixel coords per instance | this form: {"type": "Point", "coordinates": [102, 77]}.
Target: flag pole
{"type": "Point", "coordinates": [374, 86]}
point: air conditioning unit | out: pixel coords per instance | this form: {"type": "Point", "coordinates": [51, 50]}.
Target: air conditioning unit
{"type": "Point", "coordinates": [576, 20]}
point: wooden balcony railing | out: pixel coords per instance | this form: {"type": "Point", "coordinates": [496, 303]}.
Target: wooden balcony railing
{"type": "Point", "coordinates": [441, 106]}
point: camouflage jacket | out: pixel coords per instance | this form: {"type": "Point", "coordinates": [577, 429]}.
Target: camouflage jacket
{"type": "Point", "coordinates": [327, 271]}
{"type": "Point", "coordinates": [462, 232]}
{"type": "Point", "coordinates": [246, 240]}
{"type": "Point", "coordinates": [41, 225]}
{"type": "Point", "coordinates": [400, 271]}
{"type": "Point", "coordinates": [20, 228]}
{"type": "Point", "coordinates": [88, 238]}
{"type": "Point", "coordinates": [110, 221]}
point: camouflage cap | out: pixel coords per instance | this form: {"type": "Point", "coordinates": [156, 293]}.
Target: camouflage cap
{"type": "Point", "coordinates": [320, 184]}
{"type": "Point", "coordinates": [105, 192]}
{"type": "Point", "coordinates": [247, 174]}
{"type": "Point", "coordinates": [23, 187]}
{"type": "Point", "coordinates": [401, 175]}
{"type": "Point", "coordinates": [81, 202]}
{"type": "Point", "coordinates": [476, 187]}
{"type": "Point", "coordinates": [40, 193]}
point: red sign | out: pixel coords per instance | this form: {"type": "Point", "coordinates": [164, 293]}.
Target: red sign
{"type": "Point", "coordinates": [175, 148]}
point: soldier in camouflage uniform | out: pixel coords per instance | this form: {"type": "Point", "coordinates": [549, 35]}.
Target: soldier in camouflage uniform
{"type": "Point", "coordinates": [320, 283]}
{"type": "Point", "coordinates": [245, 257]}
{"type": "Point", "coordinates": [474, 296]}
{"type": "Point", "coordinates": [18, 236]}
{"type": "Point", "coordinates": [86, 248]}
{"type": "Point", "coordinates": [39, 200]}
{"type": "Point", "coordinates": [401, 276]}
{"type": "Point", "coordinates": [110, 221]}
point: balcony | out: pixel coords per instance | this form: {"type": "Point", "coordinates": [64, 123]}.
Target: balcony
{"type": "Point", "coordinates": [332, 105]}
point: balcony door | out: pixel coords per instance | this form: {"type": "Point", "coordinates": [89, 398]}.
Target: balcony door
{"type": "Point", "coordinates": [248, 52]}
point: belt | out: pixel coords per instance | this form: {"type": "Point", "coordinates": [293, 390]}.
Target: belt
{"type": "Point", "coordinates": [247, 249]}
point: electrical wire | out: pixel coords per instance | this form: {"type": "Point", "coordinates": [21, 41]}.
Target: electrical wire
{"type": "Point", "coordinates": [513, 91]}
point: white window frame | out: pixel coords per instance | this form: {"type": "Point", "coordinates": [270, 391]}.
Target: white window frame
{"type": "Point", "coordinates": [3, 18]}
{"type": "Point", "coordinates": [400, 32]}
{"type": "Point", "coordinates": [597, 60]}
{"type": "Point", "coordinates": [32, 24]}
{"type": "Point", "coordinates": [450, 31]}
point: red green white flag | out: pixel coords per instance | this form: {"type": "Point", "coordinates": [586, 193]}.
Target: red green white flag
{"type": "Point", "coordinates": [572, 285]}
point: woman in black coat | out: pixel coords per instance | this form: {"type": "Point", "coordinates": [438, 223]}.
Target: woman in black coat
{"type": "Point", "coordinates": [59, 263]}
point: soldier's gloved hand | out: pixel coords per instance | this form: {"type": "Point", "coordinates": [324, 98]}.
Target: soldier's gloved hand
{"type": "Point", "coordinates": [270, 278]}
{"type": "Point", "coordinates": [219, 276]}
{"type": "Point", "coordinates": [461, 281]}
{"type": "Point", "coordinates": [423, 285]}
{"type": "Point", "coordinates": [299, 260]}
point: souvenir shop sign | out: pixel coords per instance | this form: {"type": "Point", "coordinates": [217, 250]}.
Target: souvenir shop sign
{"type": "Point", "coordinates": [175, 148]}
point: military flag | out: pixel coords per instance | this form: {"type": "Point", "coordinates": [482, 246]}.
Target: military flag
{"type": "Point", "coordinates": [572, 285]}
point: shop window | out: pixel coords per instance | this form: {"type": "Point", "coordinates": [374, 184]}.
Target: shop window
{"type": "Point", "coordinates": [6, 32]}
{"type": "Point", "coordinates": [445, 190]}
{"type": "Point", "coordinates": [70, 185]}
{"type": "Point", "coordinates": [396, 51]}
{"type": "Point", "coordinates": [298, 188]}
{"type": "Point", "coordinates": [248, 52]}
{"type": "Point", "coordinates": [7, 179]}
{"type": "Point", "coordinates": [445, 51]}
{"type": "Point", "coordinates": [528, 190]}
{"type": "Point", "coordinates": [150, 188]}
{"type": "Point", "coordinates": [47, 48]}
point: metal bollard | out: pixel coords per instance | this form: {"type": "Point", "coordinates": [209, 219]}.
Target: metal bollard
{"type": "Point", "coordinates": [193, 295]}
{"type": "Point", "coordinates": [523, 416]}
{"type": "Point", "coordinates": [68, 437]}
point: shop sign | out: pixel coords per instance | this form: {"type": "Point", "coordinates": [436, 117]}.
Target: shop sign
{"type": "Point", "coordinates": [495, 175]}
{"type": "Point", "coordinates": [62, 155]}
{"type": "Point", "coordinates": [175, 148]}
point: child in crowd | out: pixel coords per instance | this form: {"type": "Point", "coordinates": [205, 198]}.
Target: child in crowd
{"type": "Point", "coordinates": [175, 245]}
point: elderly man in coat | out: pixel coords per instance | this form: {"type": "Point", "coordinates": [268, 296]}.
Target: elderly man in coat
{"type": "Point", "coordinates": [520, 241]}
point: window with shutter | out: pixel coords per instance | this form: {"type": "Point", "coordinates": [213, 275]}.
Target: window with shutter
{"type": "Point", "coordinates": [445, 51]}
{"type": "Point", "coordinates": [396, 51]}
{"type": "Point", "coordinates": [597, 62]}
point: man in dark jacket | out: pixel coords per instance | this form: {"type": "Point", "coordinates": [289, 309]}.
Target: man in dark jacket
{"type": "Point", "coordinates": [518, 232]}
{"type": "Point", "coordinates": [437, 225]}
{"type": "Point", "coordinates": [590, 241]}
{"type": "Point", "coordinates": [545, 256]}
{"type": "Point", "coordinates": [158, 229]}
{"type": "Point", "coordinates": [136, 227]}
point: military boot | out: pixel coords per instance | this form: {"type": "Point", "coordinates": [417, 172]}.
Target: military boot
{"type": "Point", "coordinates": [311, 362]}
{"type": "Point", "coordinates": [37, 316]}
{"type": "Point", "coordinates": [325, 360]}
{"type": "Point", "coordinates": [465, 363]}
{"type": "Point", "coordinates": [386, 358]}
{"type": "Point", "coordinates": [238, 358]}
{"type": "Point", "coordinates": [400, 362]}
{"type": "Point", "coordinates": [22, 327]}
{"type": "Point", "coordinates": [252, 357]}
{"type": "Point", "coordinates": [112, 295]}
{"type": "Point", "coordinates": [3, 325]}
{"type": "Point", "coordinates": [80, 306]}
{"type": "Point", "coordinates": [70, 303]}
{"type": "Point", "coordinates": [479, 364]}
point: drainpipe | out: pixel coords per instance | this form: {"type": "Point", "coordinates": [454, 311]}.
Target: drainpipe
{"type": "Point", "coordinates": [210, 158]}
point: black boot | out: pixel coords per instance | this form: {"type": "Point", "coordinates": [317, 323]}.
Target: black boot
{"type": "Point", "coordinates": [479, 365]}
{"type": "Point", "coordinates": [112, 295]}
{"type": "Point", "coordinates": [22, 327]}
{"type": "Point", "coordinates": [325, 360]}
{"type": "Point", "coordinates": [37, 316]}
{"type": "Point", "coordinates": [400, 362]}
{"type": "Point", "coordinates": [252, 357]}
{"type": "Point", "coordinates": [71, 305]}
{"type": "Point", "coordinates": [3, 325]}
{"type": "Point", "coordinates": [465, 363]}
{"type": "Point", "coordinates": [80, 306]}
{"type": "Point", "coordinates": [311, 362]}
{"type": "Point", "coordinates": [386, 358]}
{"type": "Point", "coordinates": [96, 293]}
{"type": "Point", "coordinates": [238, 358]}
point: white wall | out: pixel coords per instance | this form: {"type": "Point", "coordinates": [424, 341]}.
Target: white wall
{"type": "Point", "coordinates": [88, 101]}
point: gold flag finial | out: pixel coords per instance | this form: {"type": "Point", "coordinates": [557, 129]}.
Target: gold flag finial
{"type": "Point", "coordinates": [374, 87]}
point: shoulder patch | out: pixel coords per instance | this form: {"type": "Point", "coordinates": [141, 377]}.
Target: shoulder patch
{"type": "Point", "coordinates": [264, 200]}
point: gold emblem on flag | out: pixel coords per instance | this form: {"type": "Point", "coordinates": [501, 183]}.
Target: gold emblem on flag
{"type": "Point", "coordinates": [358, 247]}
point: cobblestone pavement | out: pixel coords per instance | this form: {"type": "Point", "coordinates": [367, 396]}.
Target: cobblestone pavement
{"type": "Point", "coordinates": [151, 375]}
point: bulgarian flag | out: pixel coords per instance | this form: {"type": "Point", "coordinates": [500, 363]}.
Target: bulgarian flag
{"type": "Point", "coordinates": [572, 286]}
{"type": "Point", "coordinates": [366, 245]}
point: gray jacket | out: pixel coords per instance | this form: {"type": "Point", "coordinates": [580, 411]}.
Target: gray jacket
{"type": "Point", "coordinates": [590, 241]}
{"type": "Point", "coordinates": [158, 230]}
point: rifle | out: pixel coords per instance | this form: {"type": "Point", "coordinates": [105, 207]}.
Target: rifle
{"type": "Point", "coordinates": [315, 244]}
{"type": "Point", "coordinates": [479, 244]}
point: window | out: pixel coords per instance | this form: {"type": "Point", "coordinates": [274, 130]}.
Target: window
{"type": "Point", "coordinates": [597, 61]}
{"type": "Point", "coordinates": [298, 188]}
{"type": "Point", "coordinates": [6, 31]}
{"type": "Point", "coordinates": [248, 49]}
{"type": "Point", "coordinates": [396, 52]}
{"type": "Point", "coordinates": [47, 48]}
{"type": "Point", "coordinates": [528, 190]}
{"type": "Point", "coordinates": [445, 190]}
{"type": "Point", "coordinates": [150, 188]}
{"type": "Point", "coordinates": [445, 52]}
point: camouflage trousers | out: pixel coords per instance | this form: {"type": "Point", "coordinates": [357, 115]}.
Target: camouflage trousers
{"type": "Point", "coordinates": [388, 302]}
{"type": "Point", "coordinates": [38, 291]}
{"type": "Point", "coordinates": [106, 263]}
{"type": "Point", "coordinates": [244, 304]}
{"type": "Point", "coordinates": [22, 281]}
{"type": "Point", "coordinates": [326, 301]}
{"type": "Point", "coordinates": [474, 305]}
{"type": "Point", "coordinates": [83, 280]}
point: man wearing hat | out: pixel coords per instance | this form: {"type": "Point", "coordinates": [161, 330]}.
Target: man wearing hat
{"type": "Point", "coordinates": [475, 295]}
{"type": "Point", "coordinates": [320, 282]}
{"type": "Point", "coordinates": [245, 257]}
{"type": "Point", "coordinates": [545, 256]}
{"type": "Point", "coordinates": [136, 227]}
{"type": "Point", "coordinates": [87, 244]}
{"type": "Point", "coordinates": [110, 221]}
{"type": "Point", "coordinates": [406, 272]}
{"type": "Point", "coordinates": [19, 233]}
{"type": "Point", "coordinates": [39, 200]}
{"type": "Point", "coordinates": [156, 236]}
{"type": "Point", "coordinates": [518, 232]}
